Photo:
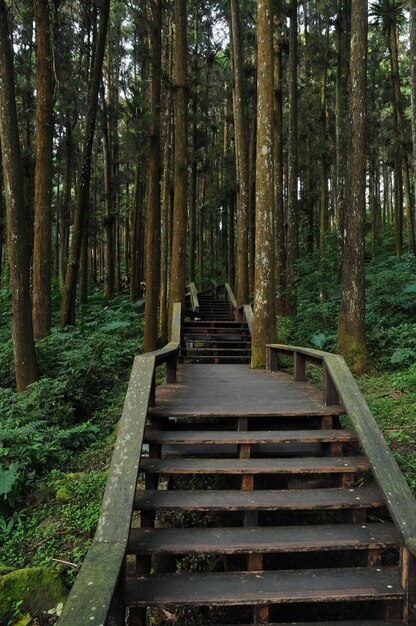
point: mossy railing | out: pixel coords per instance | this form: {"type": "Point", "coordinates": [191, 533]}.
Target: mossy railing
{"type": "Point", "coordinates": [191, 297]}
{"type": "Point", "coordinates": [96, 597]}
{"type": "Point", "coordinates": [340, 388]}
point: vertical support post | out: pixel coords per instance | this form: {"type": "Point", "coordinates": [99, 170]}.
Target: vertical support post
{"type": "Point", "coordinates": [116, 615]}
{"type": "Point", "coordinates": [299, 367]}
{"type": "Point", "coordinates": [272, 359]}
{"type": "Point", "coordinates": [331, 395]}
{"type": "Point", "coordinates": [171, 368]}
{"type": "Point", "coordinates": [152, 396]}
{"type": "Point", "coordinates": [408, 566]}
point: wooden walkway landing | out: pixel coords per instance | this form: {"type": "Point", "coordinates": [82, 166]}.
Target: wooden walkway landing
{"type": "Point", "coordinates": [236, 390]}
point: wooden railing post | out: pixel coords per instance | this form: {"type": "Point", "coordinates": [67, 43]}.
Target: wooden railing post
{"type": "Point", "coordinates": [408, 563]}
{"type": "Point", "coordinates": [299, 367]}
{"type": "Point", "coordinates": [152, 397]}
{"type": "Point", "coordinates": [272, 359]}
{"type": "Point", "coordinates": [171, 368]}
{"type": "Point", "coordinates": [331, 395]}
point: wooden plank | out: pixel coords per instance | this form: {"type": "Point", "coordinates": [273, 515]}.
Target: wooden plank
{"type": "Point", "coordinates": [249, 437]}
{"type": "Point", "coordinates": [279, 539]}
{"type": "Point", "coordinates": [90, 598]}
{"type": "Point", "coordinates": [262, 500]}
{"type": "Point", "coordinates": [267, 587]}
{"type": "Point", "coordinates": [237, 390]}
{"type": "Point", "coordinates": [333, 465]}
{"type": "Point", "coordinates": [399, 497]}
{"type": "Point", "coordinates": [366, 622]}
{"type": "Point", "coordinates": [116, 509]}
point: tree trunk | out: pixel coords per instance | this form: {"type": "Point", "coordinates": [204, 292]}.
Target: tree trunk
{"type": "Point", "coordinates": [279, 217]}
{"type": "Point", "coordinates": [400, 137]}
{"type": "Point", "coordinates": [413, 76]}
{"type": "Point", "coordinates": [351, 328]}
{"type": "Point", "coordinates": [264, 300]}
{"type": "Point", "coordinates": [240, 130]}
{"type": "Point", "coordinates": [109, 220]}
{"type": "Point", "coordinates": [17, 217]}
{"type": "Point", "coordinates": [153, 188]}
{"type": "Point", "coordinates": [67, 315]}
{"type": "Point", "coordinates": [42, 246]}
{"type": "Point", "coordinates": [181, 160]}
{"type": "Point", "coordinates": [166, 195]}
{"type": "Point", "coordinates": [292, 191]}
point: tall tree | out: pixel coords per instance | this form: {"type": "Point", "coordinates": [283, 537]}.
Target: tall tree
{"type": "Point", "coordinates": [181, 158]}
{"type": "Point", "coordinates": [241, 140]}
{"type": "Point", "coordinates": [153, 188]}
{"type": "Point", "coordinates": [292, 244]}
{"type": "Point", "coordinates": [42, 245]}
{"type": "Point", "coordinates": [67, 315]}
{"type": "Point", "coordinates": [351, 328]}
{"type": "Point", "coordinates": [264, 300]}
{"type": "Point", "coordinates": [17, 218]}
{"type": "Point", "coordinates": [390, 14]}
{"type": "Point", "coordinates": [413, 76]}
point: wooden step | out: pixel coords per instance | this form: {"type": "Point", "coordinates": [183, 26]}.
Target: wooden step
{"type": "Point", "coordinates": [267, 587]}
{"type": "Point", "coordinates": [249, 437]}
{"type": "Point", "coordinates": [279, 539]}
{"type": "Point", "coordinates": [366, 622]}
{"type": "Point", "coordinates": [222, 351]}
{"type": "Point", "coordinates": [213, 323]}
{"type": "Point", "coordinates": [260, 500]}
{"type": "Point", "coordinates": [225, 359]}
{"type": "Point", "coordinates": [326, 465]}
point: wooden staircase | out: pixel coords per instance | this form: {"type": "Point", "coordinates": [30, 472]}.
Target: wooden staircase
{"type": "Point", "coordinates": [253, 505]}
{"type": "Point", "coordinates": [279, 516]}
{"type": "Point", "coordinates": [215, 337]}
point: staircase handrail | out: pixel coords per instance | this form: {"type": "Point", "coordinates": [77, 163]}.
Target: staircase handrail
{"type": "Point", "coordinates": [340, 388]}
{"type": "Point", "coordinates": [96, 596]}
{"type": "Point", "coordinates": [245, 314]}
{"type": "Point", "coordinates": [230, 296]}
{"type": "Point", "coordinates": [192, 291]}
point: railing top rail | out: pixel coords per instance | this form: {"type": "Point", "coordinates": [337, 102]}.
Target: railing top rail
{"type": "Point", "coordinates": [231, 297]}
{"type": "Point", "coordinates": [193, 292]}
{"type": "Point", "coordinates": [93, 591]}
{"type": "Point", "coordinates": [397, 493]}
{"type": "Point", "coordinates": [245, 311]}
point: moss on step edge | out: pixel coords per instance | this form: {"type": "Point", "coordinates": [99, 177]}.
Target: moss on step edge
{"type": "Point", "coordinates": [39, 588]}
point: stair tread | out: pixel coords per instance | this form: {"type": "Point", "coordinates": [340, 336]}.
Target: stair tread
{"type": "Point", "coordinates": [286, 586]}
{"type": "Point", "coordinates": [261, 500]}
{"type": "Point", "coordinates": [307, 465]}
{"type": "Point", "coordinates": [206, 349]}
{"type": "Point", "coordinates": [262, 539]}
{"type": "Point", "coordinates": [249, 437]}
{"type": "Point", "coordinates": [366, 622]}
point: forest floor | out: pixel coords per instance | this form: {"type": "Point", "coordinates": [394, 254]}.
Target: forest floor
{"type": "Point", "coordinates": [57, 438]}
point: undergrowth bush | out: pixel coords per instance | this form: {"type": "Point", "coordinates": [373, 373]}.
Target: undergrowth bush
{"type": "Point", "coordinates": [59, 414]}
{"type": "Point", "coordinates": [390, 307]}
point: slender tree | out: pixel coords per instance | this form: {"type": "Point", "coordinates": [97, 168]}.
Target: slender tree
{"type": "Point", "coordinates": [264, 300]}
{"type": "Point", "coordinates": [413, 76]}
{"type": "Point", "coordinates": [17, 218]}
{"type": "Point", "coordinates": [181, 158]}
{"type": "Point", "coordinates": [153, 188]}
{"type": "Point", "coordinates": [292, 183]}
{"type": "Point", "coordinates": [241, 140]}
{"type": "Point", "coordinates": [351, 328]}
{"type": "Point", "coordinates": [390, 13]}
{"type": "Point", "coordinates": [42, 248]}
{"type": "Point", "coordinates": [67, 316]}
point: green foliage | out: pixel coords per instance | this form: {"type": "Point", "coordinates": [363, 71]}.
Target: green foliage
{"type": "Point", "coordinates": [60, 414]}
{"type": "Point", "coordinates": [55, 529]}
{"type": "Point", "coordinates": [390, 307]}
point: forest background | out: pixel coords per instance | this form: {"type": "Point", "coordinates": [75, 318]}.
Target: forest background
{"type": "Point", "coordinates": [131, 136]}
